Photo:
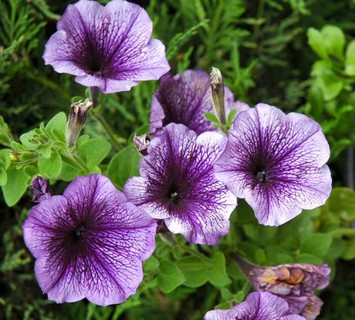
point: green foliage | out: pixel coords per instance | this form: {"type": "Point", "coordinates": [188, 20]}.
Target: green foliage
{"type": "Point", "coordinates": [331, 98]}
{"type": "Point", "coordinates": [124, 165]}
{"type": "Point", "coordinates": [260, 47]}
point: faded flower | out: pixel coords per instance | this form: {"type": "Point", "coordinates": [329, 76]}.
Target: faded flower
{"type": "Point", "coordinates": [293, 282]}
{"type": "Point", "coordinates": [177, 184]}
{"type": "Point", "coordinates": [185, 98]}
{"type": "Point", "coordinates": [89, 243]}
{"type": "Point", "coordinates": [276, 162]}
{"type": "Point", "coordinates": [106, 46]}
{"type": "Point", "coordinates": [257, 306]}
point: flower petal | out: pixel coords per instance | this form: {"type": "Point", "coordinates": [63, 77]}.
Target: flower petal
{"type": "Point", "coordinates": [90, 243]}
{"type": "Point", "coordinates": [290, 151]}
{"type": "Point", "coordinates": [106, 47]}
{"type": "Point", "coordinates": [257, 306]}
{"type": "Point", "coordinates": [184, 99]}
{"type": "Point", "coordinates": [178, 184]}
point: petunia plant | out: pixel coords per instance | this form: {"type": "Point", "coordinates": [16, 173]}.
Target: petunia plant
{"type": "Point", "coordinates": [194, 204]}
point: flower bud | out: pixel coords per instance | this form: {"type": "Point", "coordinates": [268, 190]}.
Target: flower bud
{"type": "Point", "coordinates": [40, 189]}
{"type": "Point", "coordinates": [141, 143]}
{"type": "Point", "coordinates": [77, 119]}
{"type": "Point", "coordinates": [217, 86]}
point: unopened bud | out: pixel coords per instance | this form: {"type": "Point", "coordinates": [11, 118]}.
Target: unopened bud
{"type": "Point", "coordinates": [40, 189]}
{"type": "Point", "coordinates": [77, 119]}
{"type": "Point", "coordinates": [217, 86]}
{"type": "Point", "coordinates": [141, 143]}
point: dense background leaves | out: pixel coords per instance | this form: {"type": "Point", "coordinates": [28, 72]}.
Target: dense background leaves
{"type": "Point", "coordinates": [295, 54]}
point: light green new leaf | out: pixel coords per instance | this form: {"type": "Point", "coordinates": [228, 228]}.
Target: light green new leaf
{"type": "Point", "coordinates": [17, 183]}
{"type": "Point", "coordinates": [315, 40]}
{"type": "Point", "coordinates": [94, 151]}
{"type": "Point", "coordinates": [334, 40]}
{"type": "Point", "coordinates": [350, 59]}
{"type": "Point", "coordinates": [5, 133]}
{"type": "Point", "coordinates": [51, 167]}
{"type": "Point", "coordinates": [57, 127]}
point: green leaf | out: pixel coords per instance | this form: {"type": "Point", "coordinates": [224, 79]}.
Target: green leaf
{"type": "Point", "coordinates": [170, 277]}
{"type": "Point", "coordinates": [124, 165]}
{"type": "Point", "coordinates": [316, 99]}
{"type": "Point", "coordinates": [278, 255]}
{"type": "Point", "coordinates": [57, 127]}
{"type": "Point", "coordinates": [231, 117]}
{"type": "Point", "coordinates": [308, 258]}
{"type": "Point", "coordinates": [217, 274]}
{"type": "Point", "coordinates": [349, 251]}
{"type": "Point", "coordinates": [180, 38]}
{"type": "Point", "coordinates": [4, 164]}
{"type": "Point", "coordinates": [5, 133]}
{"type": "Point", "coordinates": [315, 40]}
{"type": "Point", "coordinates": [342, 203]}
{"type": "Point", "coordinates": [151, 264]}
{"type": "Point", "coordinates": [194, 271]}
{"type": "Point", "coordinates": [17, 183]}
{"type": "Point", "coordinates": [330, 84]}
{"type": "Point", "coordinates": [69, 172]}
{"type": "Point", "coordinates": [94, 151]}
{"type": "Point", "coordinates": [260, 256]}
{"type": "Point", "coordinates": [334, 40]}
{"type": "Point", "coordinates": [350, 59]}
{"type": "Point", "coordinates": [316, 244]}
{"type": "Point", "coordinates": [51, 167]}
{"type": "Point", "coordinates": [211, 117]}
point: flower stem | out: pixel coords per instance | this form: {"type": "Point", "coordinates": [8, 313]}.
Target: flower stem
{"type": "Point", "coordinates": [115, 141]}
{"type": "Point", "coordinates": [95, 95]}
{"type": "Point", "coordinates": [342, 232]}
{"type": "Point", "coordinates": [196, 254]}
{"type": "Point", "coordinates": [75, 161]}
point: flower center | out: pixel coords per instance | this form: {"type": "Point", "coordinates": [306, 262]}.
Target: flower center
{"type": "Point", "coordinates": [174, 197]}
{"type": "Point", "coordinates": [78, 233]}
{"type": "Point", "coordinates": [173, 194]}
{"type": "Point", "coordinates": [261, 176]}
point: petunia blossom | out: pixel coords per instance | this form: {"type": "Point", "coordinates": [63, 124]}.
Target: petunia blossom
{"type": "Point", "coordinates": [295, 283]}
{"type": "Point", "coordinates": [177, 184]}
{"type": "Point", "coordinates": [106, 46]}
{"type": "Point", "coordinates": [277, 163]}
{"type": "Point", "coordinates": [257, 306]}
{"type": "Point", "coordinates": [89, 243]}
{"type": "Point", "coordinates": [185, 98]}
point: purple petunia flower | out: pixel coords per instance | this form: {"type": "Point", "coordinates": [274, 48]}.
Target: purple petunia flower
{"type": "Point", "coordinates": [107, 47]}
{"type": "Point", "coordinates": [89, 243]}
{"type": "Point", "coordinates": [257, 306]}
{"type": "Point", "coordinates": [185, 98]}
{"type": "Point", "coordinates": [177, 184]}
{"type": "Point", "coordinates": [276, 162]}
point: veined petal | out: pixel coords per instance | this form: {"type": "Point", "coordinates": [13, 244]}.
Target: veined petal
{"type": "Point", "coordinates": [257, 306]}
{"type": "Point", "coordinates": [184, 99]}
{"type": "Point", "coordinates": [177, 184]}
{"type": "Point", "coordinates": [89, 243]}
{"type": "Point", "coordinates": [277, 163]}
{"type": "Point", "coordinates": [107, 47]}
